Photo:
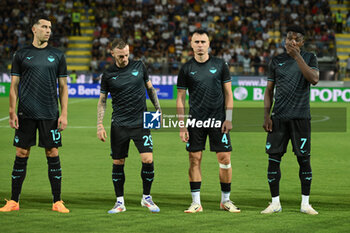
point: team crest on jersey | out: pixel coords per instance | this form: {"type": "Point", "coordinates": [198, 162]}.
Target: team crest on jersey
{"type": "Point", "coordinates": [50, 58]}
{"type": "Point", "coordinates": [134, 72]}
{"type": "Point", "coordinates": [213, 70]}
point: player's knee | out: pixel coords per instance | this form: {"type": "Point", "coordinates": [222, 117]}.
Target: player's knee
{"type": "Point", "coordinates": [195, 158]}
{"type": "Point", "coordinates": [119, 161]}
{"type": "Point", "coordinates": [225, 165]}
{"type": "Point", "coordinates": [224, 160]}
{"type": "Point", "coordinates": [22, 153]}
{"type": "Point", "coordinates": [147, 157]}
{"type": "Point", "coordinates": [52, 152]}
{"type": "Point", "coordinates": [304, 162]}
{"type": "Point", "coordinates": [195, 161]}
{"type": "Point", "coordinates": [147, 160]}
{"type": "Point", "coordinates": [277, 157]}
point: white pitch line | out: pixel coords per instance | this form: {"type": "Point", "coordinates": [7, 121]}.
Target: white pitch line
{"type": "Point", "coordinates": [4, 118]}
{"type": "Point", "coordinates": [325, 118]}
{"type": "Point", "coordinates": [79, 101]}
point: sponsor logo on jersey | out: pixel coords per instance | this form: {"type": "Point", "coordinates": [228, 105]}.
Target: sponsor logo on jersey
{"type": "Point", "coordinates": [50, 58]}
{"type": "Point", "coordinates": [28, 58]}
{"type": "Point", "coordinates": [193, 72]}
{"type": "Point", "coordinates": [281, 64]}
{"type": "Point", "coordinates": [134, 72]}
{"type": "Point", "coordinates": [115, 77]}
{"type": "Point", "coordinates": [213, 70]}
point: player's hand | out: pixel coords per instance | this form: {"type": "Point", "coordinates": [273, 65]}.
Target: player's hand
{"type": "Point", "coordinates": [292, 49]}
{"type": "Point", "coordinates": [184, 134]}
{"type": "Point", "coordinates": [226, 126]}
{"type": "Point", "coordinates": [13, 121]}
{"type": "Point", "coordinates": [62, 123]}
{"type": "Point", "coordinates": [101, 133]}
{"type": "Point", "coordinates": [267, 124]}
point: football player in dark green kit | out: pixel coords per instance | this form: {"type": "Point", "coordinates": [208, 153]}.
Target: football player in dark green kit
{"type": "Point", "coordinates": [36, 69]}
{"type": "Point", "coordinates": [291, 73]}
{"type": "Point", "coordinates": [126, 81]}
{"type": "Point", "coordinates": [208, 81]}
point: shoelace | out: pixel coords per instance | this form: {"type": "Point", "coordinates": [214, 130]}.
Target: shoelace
{"type": "Point", "coordinates": [149, 200]}
{"type": "Point", "coordinates": [117, 204]}
{"type": "Point", "coordinates": [229, 201]}
{"type": "Point", "coordinates": [7, 201]}
{"type": "Point", "coordinates": [193, 203]}
{"type": "Point", "coordinates": [60, 205]}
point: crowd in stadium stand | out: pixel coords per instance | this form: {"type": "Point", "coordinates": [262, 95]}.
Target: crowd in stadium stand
{"type": "Point", "coordinates": [245, 33]}
{"type": "Point", "coordinates": [15, 19]}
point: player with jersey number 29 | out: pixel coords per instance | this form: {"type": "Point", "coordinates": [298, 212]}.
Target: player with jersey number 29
{"type": "Point", "coordinates": [126, 80]}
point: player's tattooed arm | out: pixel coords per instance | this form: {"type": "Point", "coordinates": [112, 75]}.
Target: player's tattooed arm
{"type": "Point", "coordinates": [101, 109]}
{"type": "Point", "coordinates": [152, 94]}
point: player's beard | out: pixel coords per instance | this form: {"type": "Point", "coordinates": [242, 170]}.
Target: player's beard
{"type": "Point", "coordinates": [44, 39]}
{"type": "Point", "coordinates": [123, 63]}
{"type": "Point", "coordinates": [200, 53]}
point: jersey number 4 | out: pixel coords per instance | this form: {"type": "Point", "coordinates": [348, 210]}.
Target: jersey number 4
{"type": "Point", "coordinates": [224, 139]}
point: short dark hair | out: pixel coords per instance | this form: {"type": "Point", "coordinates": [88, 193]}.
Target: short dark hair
{"type": "Point", "coordinates": [200, 31]}
{"type": "Point", "coordinates": [118, 43]}
{"type": "Point", "coordinates": [36, 19]}
{"type": "Point", "coordinates": [297, 29]}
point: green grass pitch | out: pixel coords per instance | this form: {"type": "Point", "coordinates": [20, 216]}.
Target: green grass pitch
{"type": "Point", "coordinates": [88, 192]}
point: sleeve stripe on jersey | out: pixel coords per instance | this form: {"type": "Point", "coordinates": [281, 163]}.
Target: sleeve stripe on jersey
{"type": "Point", "coordinates": [269, 79]}
{"type": "Point", "coordinates": [62, 75]}
{"type": "Point", "coordinates": [103, 92]}
{"type": "Point", "coordinates": [315, 68]}
{"type": "Point", "coordinates": [226, 81]}
{"type": "Point", "coordinates": [181, 88]}
{"type": "Point", "coordinates": [15, 74]}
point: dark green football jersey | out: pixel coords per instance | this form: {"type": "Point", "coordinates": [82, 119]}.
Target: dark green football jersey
{"type": "Point", "coordinates": [292, 96]}
{"type": "Point", "coordinates": [204, 82]}
{"type": "Point", "coordinates": [38, 69]}
{"type": "Point", "coordinates": [127, 88]}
